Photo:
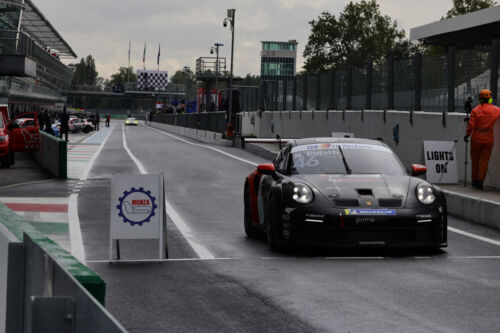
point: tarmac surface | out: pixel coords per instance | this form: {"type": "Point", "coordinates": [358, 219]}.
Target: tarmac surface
{"type": "Point", "coordinates": [217, 280]}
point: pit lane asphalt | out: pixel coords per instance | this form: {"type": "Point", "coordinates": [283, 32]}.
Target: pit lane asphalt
{"type": "Point", "coordinates": [377, 291]}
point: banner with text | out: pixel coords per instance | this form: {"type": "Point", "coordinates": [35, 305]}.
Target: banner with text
{"type": "Point", "coordinates": [441, 162]}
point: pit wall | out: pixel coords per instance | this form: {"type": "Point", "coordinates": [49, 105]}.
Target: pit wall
{"type": "Point", "coordinates": [52, 155]}
{"type": "Point", "coordinates": [414, 128]}
{"type": "Point", "coordinates": [200, 135]}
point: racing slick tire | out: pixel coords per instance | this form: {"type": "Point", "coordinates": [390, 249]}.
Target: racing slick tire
{"type": "Point", "coordinates": [7, 160]}
{"type": "Point", "coordinates": [87, 129]}
{"type": "Point", "coordinates": [250, 230]}
{"type": "Point", "coordinates": [274, 226]}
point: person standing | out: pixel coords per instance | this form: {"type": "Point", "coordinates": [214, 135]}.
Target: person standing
{"type": "Point", "coordinates": [97, 121]}
{"type": "Point", "coordinates": [64, 124]}
{"type": "Point", "coordinates": [108, 120]}
{"type": "Point", "coordinates": [480, 129]}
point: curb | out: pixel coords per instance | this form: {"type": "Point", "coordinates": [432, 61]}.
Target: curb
{"type": "Point", "coordinates": [476, 210]}
{"type": "Point", "coordinates": [84, 275]}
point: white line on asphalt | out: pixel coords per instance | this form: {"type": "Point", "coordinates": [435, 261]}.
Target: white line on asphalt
{"type": "Point", "coordinates": [468, 234]}
{"type": "Point", "coordinates": [204, 146]}
{"type": "Point", "coordinates": [199, 249]}
{"type": "Point", "coordinates": [136, 161]}
{"type": "Point", "coordinates": [75, 233]}
{"type": "Point", "coordinates": [85, 173]}
{"type": "Point", "coordinates": [159, 260]}
{"type": "Point", "coordinates": [28, 183]}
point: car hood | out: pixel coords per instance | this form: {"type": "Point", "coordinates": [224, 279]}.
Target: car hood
{"type": "Point", "coordinates": [361, 190]}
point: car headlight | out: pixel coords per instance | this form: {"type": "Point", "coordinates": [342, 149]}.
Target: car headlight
{"type": "Point", "coordinates": [302, 193]}
{"type": "Point", "coordinates": [425, 194]}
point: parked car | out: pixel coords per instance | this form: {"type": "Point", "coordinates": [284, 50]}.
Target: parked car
{"type": "Point", "coordinates": [6, 155]}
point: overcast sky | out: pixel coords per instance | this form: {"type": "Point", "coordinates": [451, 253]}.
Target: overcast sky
{"type": "Point", "coordinates": [187, 28]}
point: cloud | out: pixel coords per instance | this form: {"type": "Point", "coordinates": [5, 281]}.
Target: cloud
{"type": "Point", "coordinates": [186, 29]}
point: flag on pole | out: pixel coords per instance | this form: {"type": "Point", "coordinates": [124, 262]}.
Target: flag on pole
{"type": "Point", "coordinates": [158, 60]}
{"type": "Point", "coordinates": [144, 57]}
{"type": "Point", "coordinates": [129, 45]}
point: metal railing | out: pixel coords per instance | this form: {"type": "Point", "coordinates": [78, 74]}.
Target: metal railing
{"type": "Point", "coordinates": [207, 67]}
{"type": "Point", "coordinates": [207, 121]}
{"type": "Point", "coordinates": [438, 83]}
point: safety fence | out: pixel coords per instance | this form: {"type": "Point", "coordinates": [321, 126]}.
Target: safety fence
{"type": "Point", "coordinates": [207, 121]}
{"type": "Point", "coordinates": [45, 289]}
{"type": "Point", "coordinates": [436, 82]}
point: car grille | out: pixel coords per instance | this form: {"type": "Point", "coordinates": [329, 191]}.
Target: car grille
{"type": "Point", "coordinates": [372, 235]}
{"type": "Point", "coordinates": [389, 202]}
{"type": "Point", "coordinates": [346, 202]}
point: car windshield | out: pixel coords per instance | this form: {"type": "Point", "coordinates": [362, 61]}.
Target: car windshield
{"type": "Point", "coordinates": [131, 119]}
{"type": "Point", "coordinates": [326, 158]}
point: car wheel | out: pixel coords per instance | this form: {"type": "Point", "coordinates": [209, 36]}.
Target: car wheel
{"type": "Point", "coordinates": [86, 129]}
{"type": "Point", "coordinates": [250, 230]}
{"type": "Point", "coordinates": [5, 162]}
{"type": "Point", "coordinates": [274, 226]}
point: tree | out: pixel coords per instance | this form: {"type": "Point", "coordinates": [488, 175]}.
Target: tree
{"type": "Point", "coordinates": [124, 75]}
{"type": "Point", "coordinates": [85, 73]}
{"type": "Point", "coordinates": [187, 78]}
{"type": "Point", "coordinates": [461, 7]}
{"type": "Point", "coordinates": [250, 80]}
{"type": "Point", "coordinates": [359, 35]}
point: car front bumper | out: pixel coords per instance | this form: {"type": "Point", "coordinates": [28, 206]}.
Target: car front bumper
{"type": "Point", "coordinates": [334, 227]}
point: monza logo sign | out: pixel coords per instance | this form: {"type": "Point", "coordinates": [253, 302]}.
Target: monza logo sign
{"type": "Point", "coordinates": [136, 206]}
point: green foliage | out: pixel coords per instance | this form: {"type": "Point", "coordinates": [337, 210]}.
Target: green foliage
{"type": "Point", "coordinates": [187, 78]}
{"type": "Point", "coordinates": [461, 7]}
{"type": "Point", "coordinates": [124, 75]}
{"type": "Point", "coordinates": [250, 80]}
{"type": "Point", "coordinates": [359, 35]}
{"type": "Point", "coordinates": [85, 73]}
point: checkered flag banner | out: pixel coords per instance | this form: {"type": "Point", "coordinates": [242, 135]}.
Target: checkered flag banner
{"type": "Point", "coordinates": [150, 80]}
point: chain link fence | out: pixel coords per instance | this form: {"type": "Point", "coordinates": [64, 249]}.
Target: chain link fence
{"type": "Point", "coordinates": [435, 83]}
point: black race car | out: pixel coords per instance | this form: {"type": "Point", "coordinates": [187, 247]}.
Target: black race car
{"type": "Point", "coordinates": [343, 192]}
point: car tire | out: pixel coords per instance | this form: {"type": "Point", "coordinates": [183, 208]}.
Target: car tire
{"type": "Point", "coordinates": [250, 230]}
{"type": "Point", "coordinates": [12, 158]}
{"type": "Point", "coordinates": [86, 129]}
{"type": "Point", "coordinates": [274, 226]}
{"type": "Point", "coordinates": [5, 161]}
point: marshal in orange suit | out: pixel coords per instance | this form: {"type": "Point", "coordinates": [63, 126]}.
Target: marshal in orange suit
{"type": "Point", "coordinates": [480, 129]}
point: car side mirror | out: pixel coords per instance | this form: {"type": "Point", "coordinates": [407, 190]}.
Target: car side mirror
{"type": "Point", "coordinates": [418, 169]}
{"type": "Point", "coordinates": [266, 169]}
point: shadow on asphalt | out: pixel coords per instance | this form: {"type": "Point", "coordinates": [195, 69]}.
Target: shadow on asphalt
{"type": "Point", "coordinates": [365, 252]}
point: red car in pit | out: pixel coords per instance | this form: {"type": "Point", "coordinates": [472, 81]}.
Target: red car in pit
{"type": "Point", "coordinates": [20, 134]}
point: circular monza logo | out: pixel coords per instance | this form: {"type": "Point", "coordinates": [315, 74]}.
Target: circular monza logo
{"type": "Point", "coordinates": [136, 206]}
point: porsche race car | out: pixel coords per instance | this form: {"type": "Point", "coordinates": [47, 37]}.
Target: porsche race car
{"type": "Point", "coordinates": [343, 192]}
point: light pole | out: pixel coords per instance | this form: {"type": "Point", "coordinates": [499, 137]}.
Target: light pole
{"type": "Point", "coordinates": [216, 48]}
{"type": "Point", "coordinates": [231, 18]}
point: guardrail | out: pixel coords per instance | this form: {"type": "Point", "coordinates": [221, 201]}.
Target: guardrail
{"type": "Point", "coordinates": [207, 121]}
{"type": "Point", "coordinates": [45, 289]}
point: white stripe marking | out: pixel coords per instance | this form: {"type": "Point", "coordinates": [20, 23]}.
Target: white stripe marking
{"type": "Point", "coordinates": [158, 260]}
{"type": "Point", "coordinates": [85, 173]}
{"type": "Point", "coordinates": [468, 234]}
{"type": "Point", "coordinates": [139, 165]}
{"type": "Point", "coordinates": [29, 200]}
{"type": "Point", "coordinates": [44, 216]}
{"type": "Point", "coordinates": [199, 249]}
{"type": "Point", "coordinates": [75, 233]}
{"type": "Point", "coordinates": [205, 146]}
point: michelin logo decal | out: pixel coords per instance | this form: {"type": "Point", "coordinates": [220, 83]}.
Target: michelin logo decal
{"type": "Point", "coordinates": [370, 212]}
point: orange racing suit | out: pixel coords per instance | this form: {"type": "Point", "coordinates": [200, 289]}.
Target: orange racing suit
{"type": "Point", "coordinates": [482, 120]}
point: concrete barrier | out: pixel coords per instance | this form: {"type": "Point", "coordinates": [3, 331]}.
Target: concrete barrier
{"type": "Point", "coordinates": [37, 276]}
{"type": "Point", "coordinates": [53, 155]}
{"type": "Point", "coordinates": [414, 128]}
{"type": "Point", "coordinates": [200, 135]}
